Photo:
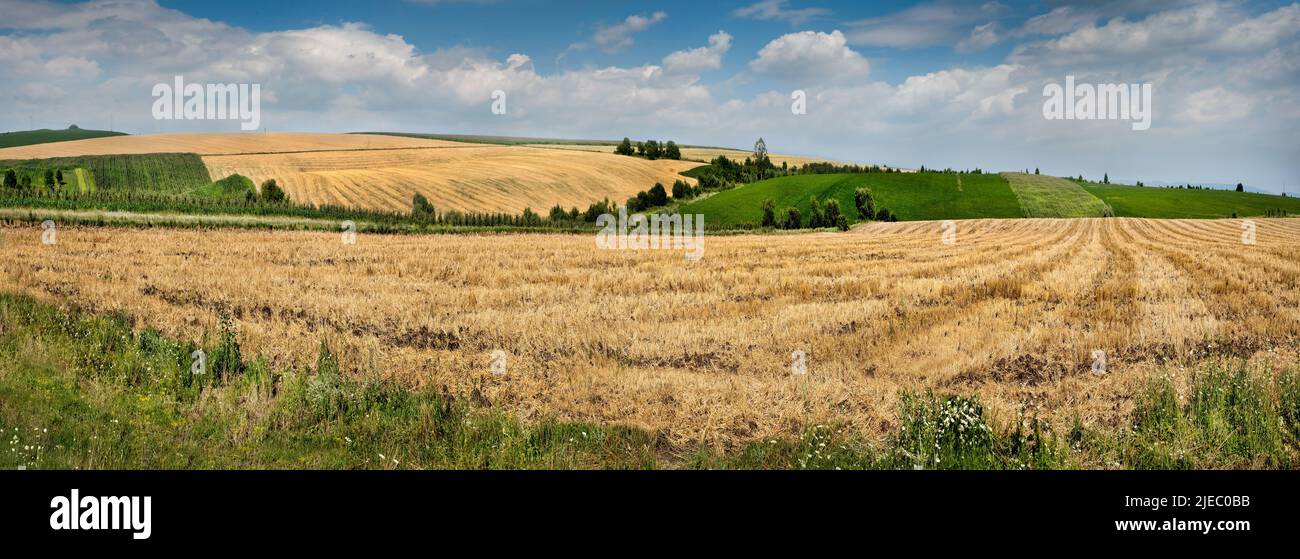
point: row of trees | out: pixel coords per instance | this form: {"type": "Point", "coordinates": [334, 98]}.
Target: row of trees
{"type": "Point", "coordinates": [657, 196]}
{"type": "Point", "coordinates": [51, 178]}
{"type": "Point", "coordinates": [649, 149]}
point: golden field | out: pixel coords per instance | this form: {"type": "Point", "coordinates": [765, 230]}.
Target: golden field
{"type": "Point", "coordinates": [466, 177]}
{"type": "Point", "coordinates": [701, 350]}
{"type": "Point", "coordinates": [217, 143]}
{"type": "Point", "coordinates": [384, 172]}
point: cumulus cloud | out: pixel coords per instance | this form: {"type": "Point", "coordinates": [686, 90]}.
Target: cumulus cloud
{"type": "Point", "coordinates": [776, 10]}
{"type": "Point", "coordinates": [1225, 86]}
{"type": "Point", "coordinates": [700, 59]}
{"type": "Point", "coordinates": [810, 56]}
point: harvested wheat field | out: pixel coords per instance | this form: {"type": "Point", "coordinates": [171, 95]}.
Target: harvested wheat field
{"type": "Point", "coordinates": [466, 177]}
{"type": "Point", "coordinates": [384, 172]}
{"type": "Point", "coordinates": [218, 143]}
{"type": "Point", "coordinates": [701, 154]}
{"type": "Point", "coordinates": [701, 351]}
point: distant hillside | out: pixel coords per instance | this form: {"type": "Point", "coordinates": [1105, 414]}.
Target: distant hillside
{"type": "Point", "coordinates": [1161, 202]}
{"type": "Point", "coordinates": [47, 136]}
{"type": "Point", "coordinates": [909, 196]}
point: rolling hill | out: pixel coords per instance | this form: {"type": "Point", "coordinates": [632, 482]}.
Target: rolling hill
{"type": "Point", "coordinates": [47, 136]}
{"type": "Point", "coordinates": [382, 172]}
{"type": "Point", "coordinates": [1173, 203]}
{"type": "Point", "coordinates": [910, 196]}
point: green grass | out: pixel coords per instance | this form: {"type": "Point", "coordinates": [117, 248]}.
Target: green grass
{"type": "Point", "coordinates": [910, 196]}
{"type": "Point", "coordinates": [97, 392]}
{"type": "Point", "coordinates": [1044, 196]}
{"type": "Point", "coordinates": [233, 187]}
{"type": "Point", "coordinates": [1156, 202]}
{"type": "Point", "coordinates": [46, 136]}
{"type": "Point", "coordinates": [154, 172]}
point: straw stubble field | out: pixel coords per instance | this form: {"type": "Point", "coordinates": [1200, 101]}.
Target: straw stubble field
{"type": "Point", "coordinates": [701, 351]}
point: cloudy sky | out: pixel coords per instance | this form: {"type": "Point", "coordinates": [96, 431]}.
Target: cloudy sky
{"type": "Point", "coordinates": [934, 83]}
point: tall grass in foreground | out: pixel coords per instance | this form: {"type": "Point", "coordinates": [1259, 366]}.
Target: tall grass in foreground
{"type": "Point", "coordinates": [85, 391]}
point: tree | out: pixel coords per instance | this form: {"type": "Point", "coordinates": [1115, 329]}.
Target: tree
{"type": "Point", "coordinates": [816, 215]}
{"type": "Point", "coordinates": [420, 206]}
{"type": "Point", "coordinates": [11, 179]}
{"type": "Point", "coordinates": [633, 204]}
{"type": "Point", "coordinates": [652, 150]}
{"type": "Point", "coordinates": [834, 217]}
{"type": "Point", "coordinates": [769, 213]}
{"type": "Point", "coordinates": [1105, 179]}
{"type": "Point", "coordinates": [792, 219]}
{"type": "Point", "coordinates": [557, 214]}
{"type": "Point", "coordinates": [58, 177]}
{"type": "Point", "coordinates": [49, 178]}
{"type": "Point", "coordinates": [1241, 187]}
{"type": "Point", "coordinates": [671, 151]}
{"type": "Point", "coordinates": [531, 218]}
{"type": "Point", "coordinates": [271, 192]}
{"type": "Point", "coordinates": [866, 204]}
{"type": "Point", "coordinates": [1036, 171]}
{"type": "Point", "coordinates": [658, 196]}
{"type": "Point", "coordinates": [640, 149]}
{"type": "Point", "coordinates": [681, 190]}
{"type": "Point", "coordinates": [597, 209]}
{"type": "Point", "coordinates": [625, 148]}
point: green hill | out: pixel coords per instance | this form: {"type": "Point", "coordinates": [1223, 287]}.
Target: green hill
{"type": "Point", "coordinates": [1044, 196]}
{"type": "Point", "coordinates": [1156, 202]}
{"type": "Point", "coordinates": [47, 136]}
{"type": "Point", "coordinates": [910, 196]}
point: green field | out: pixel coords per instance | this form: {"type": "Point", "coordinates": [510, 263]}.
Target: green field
{"type": "Point", "coordinates": [1044, 196]}
{"type": "Point", "coordinates": [47, 136]}
{"type": "Point", "coordinates": [154, 172]}
{"type": "Point", "coordinates": [910, 196]}
{"type": "Point", "coordinates": [1155, 202]}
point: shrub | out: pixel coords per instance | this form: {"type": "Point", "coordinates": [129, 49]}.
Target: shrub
{"type": "Point", "coordinates": [658, 196]}
{"type": "Point", "coordinates": [866, 204]}
{"type": "Point", "coordinates": [833, 217]}
{"type": "Point", "coordinates": [769, 213]}
{"type": "Point", "coordinates": [227, 359]}
{"type": "Point", "coordinates": [816, 215]}
{"type": "Point", "coordinates": [792, 219]}
{"type": "Point", "coordinates": [420, 206]}
{"type": "Point", "coordinates": [271, 192]}
{"type": "Point", "coordinates": [681, 190]}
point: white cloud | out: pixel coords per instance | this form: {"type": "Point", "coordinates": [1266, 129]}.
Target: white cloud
{"type": "Point", "coordinates": [981, 37]}
{"type": "Point", "coordinates": [697, 60]}
{"type": "Point", "coordinates": [1215, 105]}
{"type": "Point", "coordinates": [923, 25]}
{"type": "Point", "coordinates": [810, 56]}
{"type": "Point", "coordinates": [615, 38]}
{"type": "Point", "coordinates": [776, 10]}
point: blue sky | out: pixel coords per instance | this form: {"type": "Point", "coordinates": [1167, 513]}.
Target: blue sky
{"type": "Point", "coordinates": [935, 82]}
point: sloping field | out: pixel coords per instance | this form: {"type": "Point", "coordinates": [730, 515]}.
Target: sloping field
{"type": "Point", "coordinates": [1043, 196]}
{"type": "Point", "coordinates": [1012, 311]}
{"type": "Point", "coordinates": [384, 172]}
{"type": "Point", "coordinates": [465, 177]}
{"type": "Point", "coordinates": [700, 154]}
{"type": "Point", "coordinates": [45, 136]}
{"type": "Point", "coordinates": [212, 144]}
{"type": "Point", "coordinates": [1189, 203]}
{"type": "Point", "coordinates": [910, 196]}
